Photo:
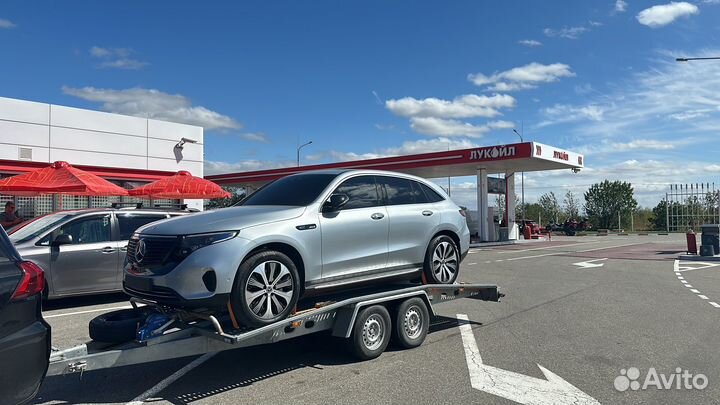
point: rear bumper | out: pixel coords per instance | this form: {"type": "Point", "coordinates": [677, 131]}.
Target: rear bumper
{"type": "Point", "coordinates": [26, 354]}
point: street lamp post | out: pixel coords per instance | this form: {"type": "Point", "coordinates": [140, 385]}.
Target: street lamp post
{"type": "Point", "coordinates": [522, 180]}
{"type": "Point", "coordinates": [298, 151]}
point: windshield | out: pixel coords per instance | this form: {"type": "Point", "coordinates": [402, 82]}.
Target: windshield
{"type": "Point", "coordinates": [36, 227]}
{"type": "Point", "coordinates": [296, 190]}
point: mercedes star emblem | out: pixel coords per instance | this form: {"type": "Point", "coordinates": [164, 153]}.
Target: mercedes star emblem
{"type": "Point", "coordinates": [140, 251]}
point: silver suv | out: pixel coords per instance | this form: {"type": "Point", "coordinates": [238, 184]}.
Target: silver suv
{"type": "Point", "coordinates": [82, 251]}
{"type": "Point", "coordinates": [302, 234]}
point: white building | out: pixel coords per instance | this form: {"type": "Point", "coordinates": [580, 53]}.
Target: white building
{"type": "Point", "coordinates": [128, 151]}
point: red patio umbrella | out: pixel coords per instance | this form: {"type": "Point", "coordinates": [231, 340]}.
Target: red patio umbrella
{"type": "Point", "coordinates": [181, 185]}
{"type": "Point", "coordinates": [59, 178]}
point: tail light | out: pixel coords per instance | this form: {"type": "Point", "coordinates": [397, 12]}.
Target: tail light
{"type": "Point", "coordinates": [462, 212]}
{"type": "Point", "coordinates": [32, 283]}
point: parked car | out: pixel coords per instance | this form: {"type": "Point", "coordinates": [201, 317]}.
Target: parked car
{"type": "Point", "coordinates": [301, 234]}
{"type": "Point", "coordinates": [24, 335]}
{"type": "Point", "coordinates": [82, 251]}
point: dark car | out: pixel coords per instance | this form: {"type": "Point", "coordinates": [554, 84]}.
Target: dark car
{"type": "Point", "coordinates": [24, 334]}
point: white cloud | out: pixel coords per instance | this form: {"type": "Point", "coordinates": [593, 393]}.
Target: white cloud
{"type": "Point", "coordinates": [151, 103]}
{"type": "Point", "coordinates": [216, 167]}
{"type": "Point", "coordinates": [643, 144]}
{"type": "Point", "coordinates": [116, 58]}
{"type": "Point", "coordinates": [561, 113]}
{"type": "Point", "coordinates": [658, 16]}
{"type": "Point", "coordinates": [7, 24]}
{"type": "Point", "coordinates": [566, 32]}
{"type": "Point", "coordinates": [620, 6]}
{"type": "Point", "coordinates": [443, 127]}
{"type": "Point", "coordinates": [407, 148]}
{"type": "Point", "coordinates": [254, 136]}
{"type": "Point", "coordinates": [522, 77]}
{"type": "Point", "coordinates": [466, 106]}
{"type": "Point", "coordinates": [529, 42]}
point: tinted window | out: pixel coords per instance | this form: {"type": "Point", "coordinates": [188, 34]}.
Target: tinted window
{"type": "Point", "coordinates": [128, 223]}
{"type": "Point", "coordinates": [400, 191]}
{"type": "Point", "coordinates": [431, 195]}
{"type": "Point", "coordinates": [361, 190]}
{"type": "Point", "coordinates": [297, 190]}
{"type": "Point", "coordinates": [36, 227]}
{"type": "Point", "coordinates": [93, 229]}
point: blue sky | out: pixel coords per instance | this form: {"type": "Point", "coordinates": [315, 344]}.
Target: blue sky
{"type": "Point", "coordinates": [376, 78]}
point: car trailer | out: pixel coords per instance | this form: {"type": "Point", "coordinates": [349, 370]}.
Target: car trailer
{"type": "Point", "coordinates": [367, 320]}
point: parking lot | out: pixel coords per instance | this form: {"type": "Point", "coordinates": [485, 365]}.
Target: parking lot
{"type": "Point", "coordinates": [586, 309]}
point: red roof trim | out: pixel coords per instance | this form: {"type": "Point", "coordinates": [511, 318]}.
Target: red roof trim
{"type": "Point", "coordinates": [17, 166]}
{"type": "Point", "coordinates": [453, 157]}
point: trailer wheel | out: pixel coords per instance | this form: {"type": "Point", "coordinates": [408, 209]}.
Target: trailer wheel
{"type": "Point", "coordinates": [117, 326]}
{"type": "Point", "coordinates": [442, 261]}
{"type": "Point", "coordinates": [371, 333]}
{"type": "Point", "coordinates": [411, 323]}
{"type": "Point", "coordinates": [266, 289]}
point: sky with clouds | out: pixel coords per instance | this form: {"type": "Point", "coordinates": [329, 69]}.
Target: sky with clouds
{"type": "Point", "coordinates": [376, 78]}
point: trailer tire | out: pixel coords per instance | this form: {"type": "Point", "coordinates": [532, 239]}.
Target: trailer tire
{"type": "Point", "coordinates": [411, 323]}
{"type": "Point", "coordinates": [117, 326]}
{"type": "Point", "coordinates": [442, 261]}
{"type": "Point", "coordinates": [249, 280]}
{"type": "Point", "coordinates": [371, 333]}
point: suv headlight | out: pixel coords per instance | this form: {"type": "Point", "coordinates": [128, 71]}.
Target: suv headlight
{"type": "Point", "coordinates": [191, 243]}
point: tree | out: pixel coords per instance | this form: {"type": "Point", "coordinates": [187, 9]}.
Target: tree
{"type": "Point", "coordinates": [236, 194]}
{"type": "Point", "coordinates": [550, 206]}
{"type": "Point", "coordinates": [572, 205]}
{"type": "Point", "coordinates": [605, 200]}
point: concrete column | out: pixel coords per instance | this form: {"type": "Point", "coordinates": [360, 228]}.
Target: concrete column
{"type": "Point", "coordinates": [510, 206]}
{"type": "Point", "coordinates": [482, 205]}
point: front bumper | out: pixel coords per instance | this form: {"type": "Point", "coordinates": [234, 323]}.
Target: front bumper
{"type": "Point", "coordinates": [204, 278]}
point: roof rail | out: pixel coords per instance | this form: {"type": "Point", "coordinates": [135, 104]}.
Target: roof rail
{"type": "Point", "coordinates": [137, 205]}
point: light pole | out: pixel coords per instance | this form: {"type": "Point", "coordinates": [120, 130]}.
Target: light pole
{"type": "Point", "coordinates": [689, 59]}
{"type": "Point", "coordinates": [522, 180]}
{"type": "Point", "coordinates": [298, 151]}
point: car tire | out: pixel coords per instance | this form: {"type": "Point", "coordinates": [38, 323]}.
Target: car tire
{"type": "Point", "coordinates": [371, 333]}
{"type": "Point", "coordinates": [442, 261]}
{"type": "Point", "coordinates": [117, 326]}
{"type": "Point", "coordinates": [266, 289]}
{"type": "Point", "coordinates": [411, 323]}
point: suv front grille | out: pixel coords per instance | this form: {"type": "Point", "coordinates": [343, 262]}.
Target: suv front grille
{"type": "Point", "coordinates": [157, 250]}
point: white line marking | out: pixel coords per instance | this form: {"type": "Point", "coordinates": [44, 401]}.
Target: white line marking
{"type": "Point", "coordinates": [86, 312]}
{"type": "Point", "coordinates": [171, 379]}
{"type": "Point", "coordinates": [715, 304]}
{"type": "Point", "coordinates": [517, 387]}
{"type": "Point", "coordinates": [688, 285]}
{"type": "Point", "coordinates": [684, 281]}
{"type": "Point", "coordinates": [471, 264]}
{"type": "Point", "coordinates": [695, 291]}
{"type": "Point", "coordinates": [702, 296]}
{"type": "Point", "coordinates": [570, 253]}
{"type": "Point", "coordinates": [681, 278]}
{"type": "Point", "coordinates": [550, 247]}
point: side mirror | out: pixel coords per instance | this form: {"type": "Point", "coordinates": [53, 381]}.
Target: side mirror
{"type": "Point", "coordinates": [335, 202]}
{"type": "Point", "coordinates": [63, 239]}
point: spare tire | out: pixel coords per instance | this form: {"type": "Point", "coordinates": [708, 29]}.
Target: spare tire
{"type": "Point", "coordinates": [117, 326]}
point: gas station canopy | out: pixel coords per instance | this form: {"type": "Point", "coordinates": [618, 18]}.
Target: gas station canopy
{"type": "Point", "coordinates": [511, 158]}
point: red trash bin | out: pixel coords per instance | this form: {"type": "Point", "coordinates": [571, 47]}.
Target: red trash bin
{"type": "Point", "coordinates": [691, 242]}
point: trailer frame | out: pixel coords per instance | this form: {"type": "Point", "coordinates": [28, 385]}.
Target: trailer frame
{"type": "Point", "coordinates": [192, 334]}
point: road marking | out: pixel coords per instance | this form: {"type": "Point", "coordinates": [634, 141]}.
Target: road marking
{"type": "Point", "coordinates": [140, 399]}
{"type": "Point", "coordinates": [86, 312]}
{"type": "Point", "coordinates": [690, 266]}
{"type": "Point", "coordinates": [677, 268]}
{"type": "Point", "coordinates": [688, 286]}
{"type": "Point", "coordinates": [695, 291]}
{"type": "Point", "coordinates": [471, 264]}
{"type": "Point", "coordinates": [514, 386]}
{"type": "Point", "coordinates": [684, 281]}
{"type": "Point", "coordinates": [702, 296]}
{"type": "Point", "coordinates": [589, 263]}
{"type": "Point", "coordinates": [715, 304]}
{"type": "Point", "coordinates": [549, 247]}
{"type": "Point", "coordinates": [570, 253]}
{"type": "Point", "coordinates": [681, 278]}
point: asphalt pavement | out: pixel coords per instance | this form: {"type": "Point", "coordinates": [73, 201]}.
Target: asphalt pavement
{"type": "Point", "coordinates": [584, 320]}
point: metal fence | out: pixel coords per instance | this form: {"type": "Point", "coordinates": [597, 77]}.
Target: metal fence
{"type": "Point", "coordinates": [687, 206]}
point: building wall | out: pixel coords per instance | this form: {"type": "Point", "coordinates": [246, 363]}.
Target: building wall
{"type": "Point", "coordinates": [39, 132]}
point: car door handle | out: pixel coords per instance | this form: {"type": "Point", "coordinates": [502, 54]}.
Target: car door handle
{"type": "Point", "coordinates": [107, 249]}
{"type": "Point", "coordinates": [427, 213]}
{"type": "Point", "coordinates": [377, 215]}
{"type": "Point", "coordinates": [123, 248]}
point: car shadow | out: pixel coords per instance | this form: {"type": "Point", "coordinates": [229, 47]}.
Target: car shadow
{"type": "Point", "coordinates": [84, 300]}
{"type": "Point", "coordinates": [226, 371]}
